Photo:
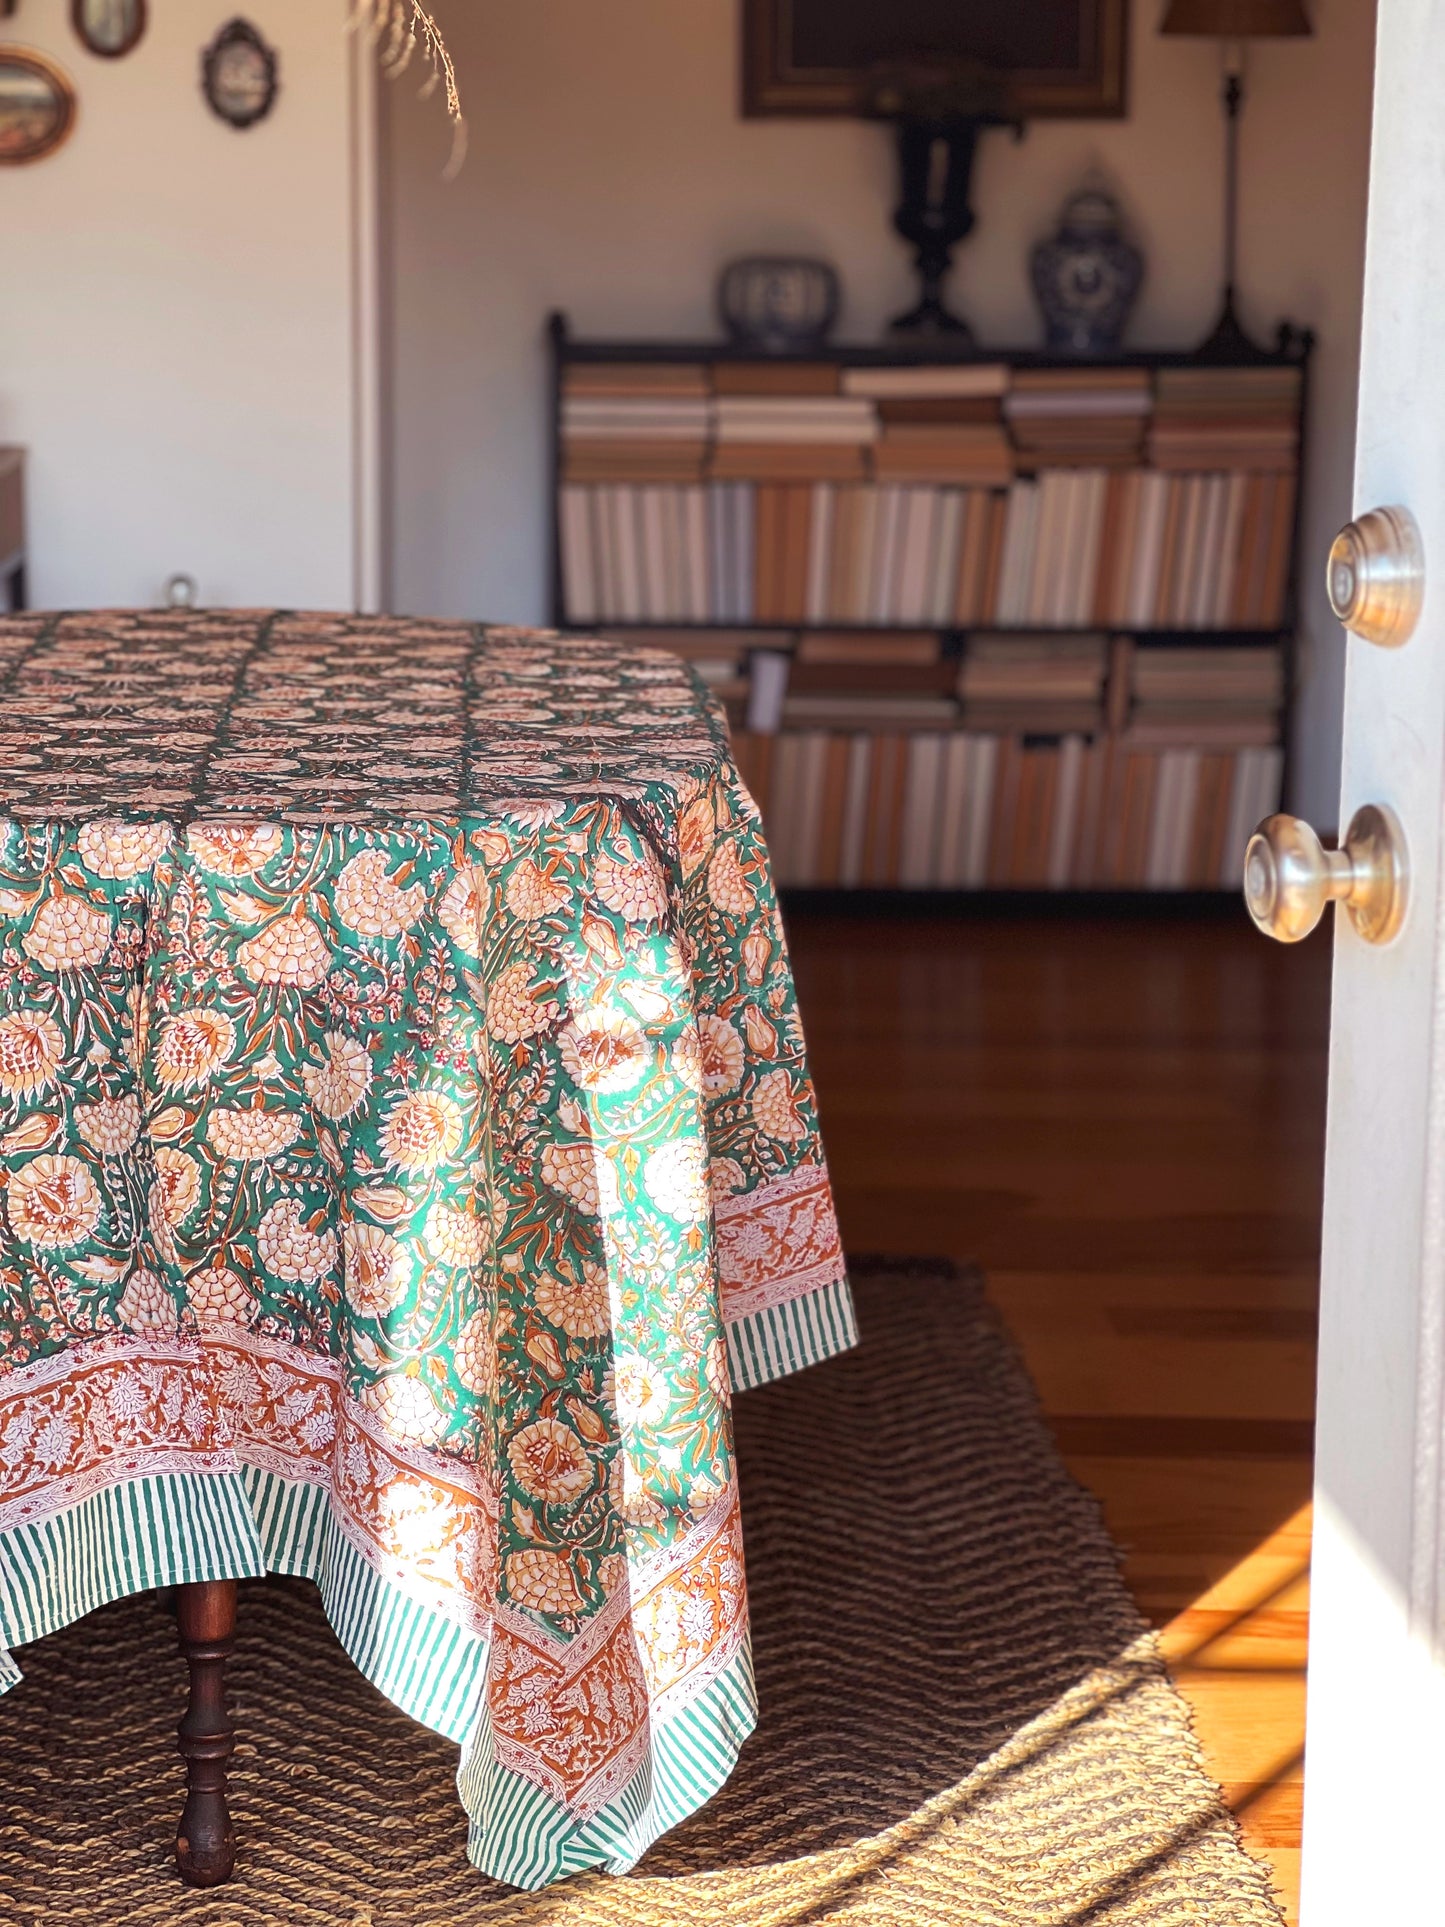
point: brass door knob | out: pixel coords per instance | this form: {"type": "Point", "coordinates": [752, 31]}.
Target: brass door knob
{"type": "Point", "coordinates": [1289, 876]}
{"type": "Point", "coordinates": [1376, 576]}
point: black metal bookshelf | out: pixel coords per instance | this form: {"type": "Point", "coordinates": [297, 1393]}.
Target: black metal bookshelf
{"type": "Point", "coordinates": [1292, 349]}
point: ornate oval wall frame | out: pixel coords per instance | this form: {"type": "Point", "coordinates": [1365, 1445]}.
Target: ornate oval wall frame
{"type": "Point", "coordinates": [109, 28]}
{"type": "Point", "coordinates": [37, 106]}
{"type": "Point", "coordinates": [240, 75]}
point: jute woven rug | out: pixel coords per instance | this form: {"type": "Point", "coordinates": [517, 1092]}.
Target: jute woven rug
{"type": "Point", "coordinates": [965, 1722]}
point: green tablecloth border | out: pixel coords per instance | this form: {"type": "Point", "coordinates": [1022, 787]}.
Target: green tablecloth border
{"type": "Point", "coordinates": [177, 1528]}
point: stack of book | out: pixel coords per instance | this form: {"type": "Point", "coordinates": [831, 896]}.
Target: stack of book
{"type": "Point", "coordinates": [937, 424]}
{"type": "Point", "coordinates": [635, 422]}
{"type": "Point", "coordinates": [932, 810]}
{"type": "Point", "coordinates": [1209, 418]}
{"type": "Point", "coordinates": [848, 681]}
{"type": "Point", "coordinates": [775, 423]}
{"type": "Point", "coordinates": [1033, 684]}
{"type": "Point", "coordinates": [1093, 418]}
{"type": "Point", "coordinates": [1206, 697]}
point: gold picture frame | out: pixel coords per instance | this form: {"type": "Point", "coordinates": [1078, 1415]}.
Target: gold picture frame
{"type": "Point", "coordinates": [37, 106]}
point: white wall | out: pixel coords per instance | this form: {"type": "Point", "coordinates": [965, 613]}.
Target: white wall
{"type": "Point", "coordinates": [610, 175]}
{"type": "Point", "coordinates": [175, 320]}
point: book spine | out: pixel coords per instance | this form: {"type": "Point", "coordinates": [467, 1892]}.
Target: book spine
{"type": "Point", "coordinates": [699, 548]}
{"type": "Point", "coordinates": [719, 541]}
{"type": "Point", "coordinates": [1126, 540]}
{"type": "Point", "coordinates": [1008, 777]}
{"type": "Point", "coordinates": [993, 559]}
{"type": "Point", "coordinates": [1211, 552]}
{"type": "Point", "coordinates": [1157, 497]}
{"type": "Point", "coordinates": [887, 545]}
{"type": "Point", "coordinates": [855, 810]}
{"type": "Point", "coordinates": [1085, 867]}
{"type": "Point", "coordinates": [767, 690]}
{"type": "Point", "coordinates": [1207, 830]}
{"type": "Point", "coordinates": [944, 567]}
{"type": "Point", "coordinates": [1222, 601]}
{"type": "Point", "coordinates": [916, 545]}
{"type": "Point", "coordinates": [832, 816]}
{"type": "Point", "coordinates": [953, 806]}
{"type": "Point", "coordinates": [864, 542]}
{"type": "Point", "coordinates": [840, 561]}
{"type": "Point", "coordinates": [918, 865]}
{"type": "Point", "coordinates": [1277, 568]}
{"type": "Point", "coordinates": [1020, 544]}
{"type": "Point", "coordinates": [983, 773]}
{"type": "Point", "coordinates": [745, 544]}
{"type": "Point", "coordinates": [1038, 779]}
{"type": "Point", "coordinates": [1068, 798]}
{"type": "Point", "coordinates": [768, 553]}
{"type": "Point", "coordinates": [782, 824]}
{"type": "Point", "coordinates": [820, 545]}
{"type": "Point", "coordinates": [968, 606]}
{"type": "Point", "coordinates": [1170, 545]}
{"type": "Point", "coordinates": [672, 590]}
{"type": "Point", "coordinates": [893, 846]}
{"type": "Point", "coordinates": [1036, 600]}
{"type": "Point", "coordinates": [1140, 784]}
{"type": "Point", "coordinates": [579, 590]}
{"type": "Point", "coordinates": [813, 756]}
{"type": "Point", "coordinates": [1089, 561]}
{"type": "Point", "coordinates": [792, 563]}
{"type": "Point", "coordinates": [877, 829]}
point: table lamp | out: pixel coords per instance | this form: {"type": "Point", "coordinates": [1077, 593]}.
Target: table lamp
{"type": "Point", "coordinates": [1233, 22]}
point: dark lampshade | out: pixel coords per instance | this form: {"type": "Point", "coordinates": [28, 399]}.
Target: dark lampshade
{"type": "Point", "coordinates": [1237, 19]}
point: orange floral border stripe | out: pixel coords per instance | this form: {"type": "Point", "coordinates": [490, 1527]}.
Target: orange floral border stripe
{"type": "Point", "coordinates": [572, 1716]}
{"type": "Point", "coordinates": [777, 1243]}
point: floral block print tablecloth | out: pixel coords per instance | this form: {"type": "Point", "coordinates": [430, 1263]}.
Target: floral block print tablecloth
{"type": "Point", "coordinates": [407, 1147]}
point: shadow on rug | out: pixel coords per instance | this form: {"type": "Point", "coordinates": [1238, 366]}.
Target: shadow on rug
{"type": "Point", "coordinates": [965, 1722]}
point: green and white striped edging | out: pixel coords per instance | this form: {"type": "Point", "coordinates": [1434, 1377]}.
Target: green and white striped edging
{"type": "Point", "coordinates": [176, 1529]}
{"type": "Point", "coordinates": [520, 1836]}
{"type": "Point", "coordinates": [784, 1338]}
{"type": "Point", "coordinates": [423, 1662]}
{"type": "Point", "coordinates": [171, 1529]}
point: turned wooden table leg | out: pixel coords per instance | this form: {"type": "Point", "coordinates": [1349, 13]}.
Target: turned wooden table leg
{"type": "Point", "coordinates": [205, 1845]}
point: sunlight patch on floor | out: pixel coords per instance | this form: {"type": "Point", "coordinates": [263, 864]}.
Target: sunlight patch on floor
{"type": "Point", "coordinates": [1238, 1656]}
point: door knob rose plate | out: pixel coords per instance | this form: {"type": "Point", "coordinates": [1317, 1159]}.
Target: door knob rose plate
{"type": "Point", "coordinates": [1289, 876]}
{"type": "Point", "coordinates": [1376, 576]}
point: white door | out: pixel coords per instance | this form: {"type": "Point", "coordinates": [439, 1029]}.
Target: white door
{"type": "Point", "coordinates": [1375, 1746]}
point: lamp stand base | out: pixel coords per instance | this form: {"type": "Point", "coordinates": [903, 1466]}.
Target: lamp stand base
{"type": "Point", "coordinates": [1227, 340]}
{"type": "Point", "coordinates": [932, 319]}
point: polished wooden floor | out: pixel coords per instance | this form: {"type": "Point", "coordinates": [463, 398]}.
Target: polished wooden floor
{"type": "Point", "coordinates": [1122, 1121]}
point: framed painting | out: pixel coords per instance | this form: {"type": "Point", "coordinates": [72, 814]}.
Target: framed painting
{"type": "Point", "coordinates": [1065, 58]}
{"type": "Point", "coordinates": [37, 106]}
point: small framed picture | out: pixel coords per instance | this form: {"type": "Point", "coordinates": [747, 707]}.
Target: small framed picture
{"type": "Point", "coordinates": [109, 28]}
{"type": "Point", "coordinates": [37, 106]}
{"type": "Point", "coordinates": [240, 75]}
